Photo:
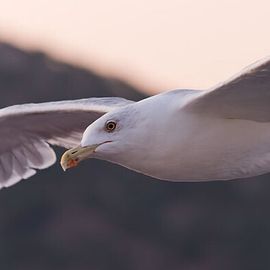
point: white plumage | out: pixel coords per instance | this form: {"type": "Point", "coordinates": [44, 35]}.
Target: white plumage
{"type": "Point", "coordinates": [182, 135]}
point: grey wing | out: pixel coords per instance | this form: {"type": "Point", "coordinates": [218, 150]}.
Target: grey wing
{"type": "Point", "coordinates": [27, 130]}
{"type": "Point", "coordinates": [245, 96]}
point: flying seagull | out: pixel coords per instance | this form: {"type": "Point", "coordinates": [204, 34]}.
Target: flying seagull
{"type": "Point", "coordinates": [181, 135]}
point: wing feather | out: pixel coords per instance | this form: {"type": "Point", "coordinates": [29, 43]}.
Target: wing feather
{"type": "Point", "coordinates": [27, 130]}
{"type": "Point", "coordinates": [245, 96]}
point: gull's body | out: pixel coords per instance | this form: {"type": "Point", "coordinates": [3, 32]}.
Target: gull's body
{"type": "Point", "coordinates": [182, 135]}
{"type": "Point", "coordinates": [193, 147]}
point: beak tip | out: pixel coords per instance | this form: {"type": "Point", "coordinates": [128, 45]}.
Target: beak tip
{"type": "Point", "coordinates": [63, 168]}
{"type": "Point", "coordinates": [70, 158]}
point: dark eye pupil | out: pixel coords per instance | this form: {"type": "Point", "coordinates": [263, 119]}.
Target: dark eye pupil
{"type": "Point", "coordinates": [111, 126]}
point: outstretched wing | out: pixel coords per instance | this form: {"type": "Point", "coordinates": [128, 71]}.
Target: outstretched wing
{"type": "Point", "coordinates": [27, 130]}
{"type": "Point", "coordinates": [245, 96]}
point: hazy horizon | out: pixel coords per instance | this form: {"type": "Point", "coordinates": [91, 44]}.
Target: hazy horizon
{"type": "Point", "coordinates": [161, 45]}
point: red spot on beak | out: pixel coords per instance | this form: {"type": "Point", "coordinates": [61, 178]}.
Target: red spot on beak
{"type": "Point", "coordinates": [72, 163]}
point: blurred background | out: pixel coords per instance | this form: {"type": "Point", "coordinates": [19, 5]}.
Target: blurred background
{"type": "Point", "coordinates": [101, 216]}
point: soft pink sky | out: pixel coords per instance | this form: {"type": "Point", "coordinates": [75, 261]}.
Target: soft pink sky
{"type": "Point", "coordinates": [156, 43]}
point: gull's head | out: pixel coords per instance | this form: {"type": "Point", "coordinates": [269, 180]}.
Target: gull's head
{"type": "Point", "coordinates": [107, 138]}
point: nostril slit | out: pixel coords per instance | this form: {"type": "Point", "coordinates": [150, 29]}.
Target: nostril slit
{"type": "Point", "coordinates": [72, 153]}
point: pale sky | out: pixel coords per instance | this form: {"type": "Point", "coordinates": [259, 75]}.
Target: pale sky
{"type": "Point", "coordinates": [155, 43]}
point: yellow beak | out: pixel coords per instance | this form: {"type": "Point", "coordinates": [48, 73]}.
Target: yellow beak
{"type": "Point", "coordinates": [71, 158]}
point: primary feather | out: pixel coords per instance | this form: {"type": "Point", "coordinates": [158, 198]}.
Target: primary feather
{"type": "Point", "coordinates": [27, 130]}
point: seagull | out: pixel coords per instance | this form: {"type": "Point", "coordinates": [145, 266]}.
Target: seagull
{"type": "Point", "coordinates": [182, 135]}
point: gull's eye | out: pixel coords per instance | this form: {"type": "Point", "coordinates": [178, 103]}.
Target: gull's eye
{"type": "Point", "coordinates": [110, 126]}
